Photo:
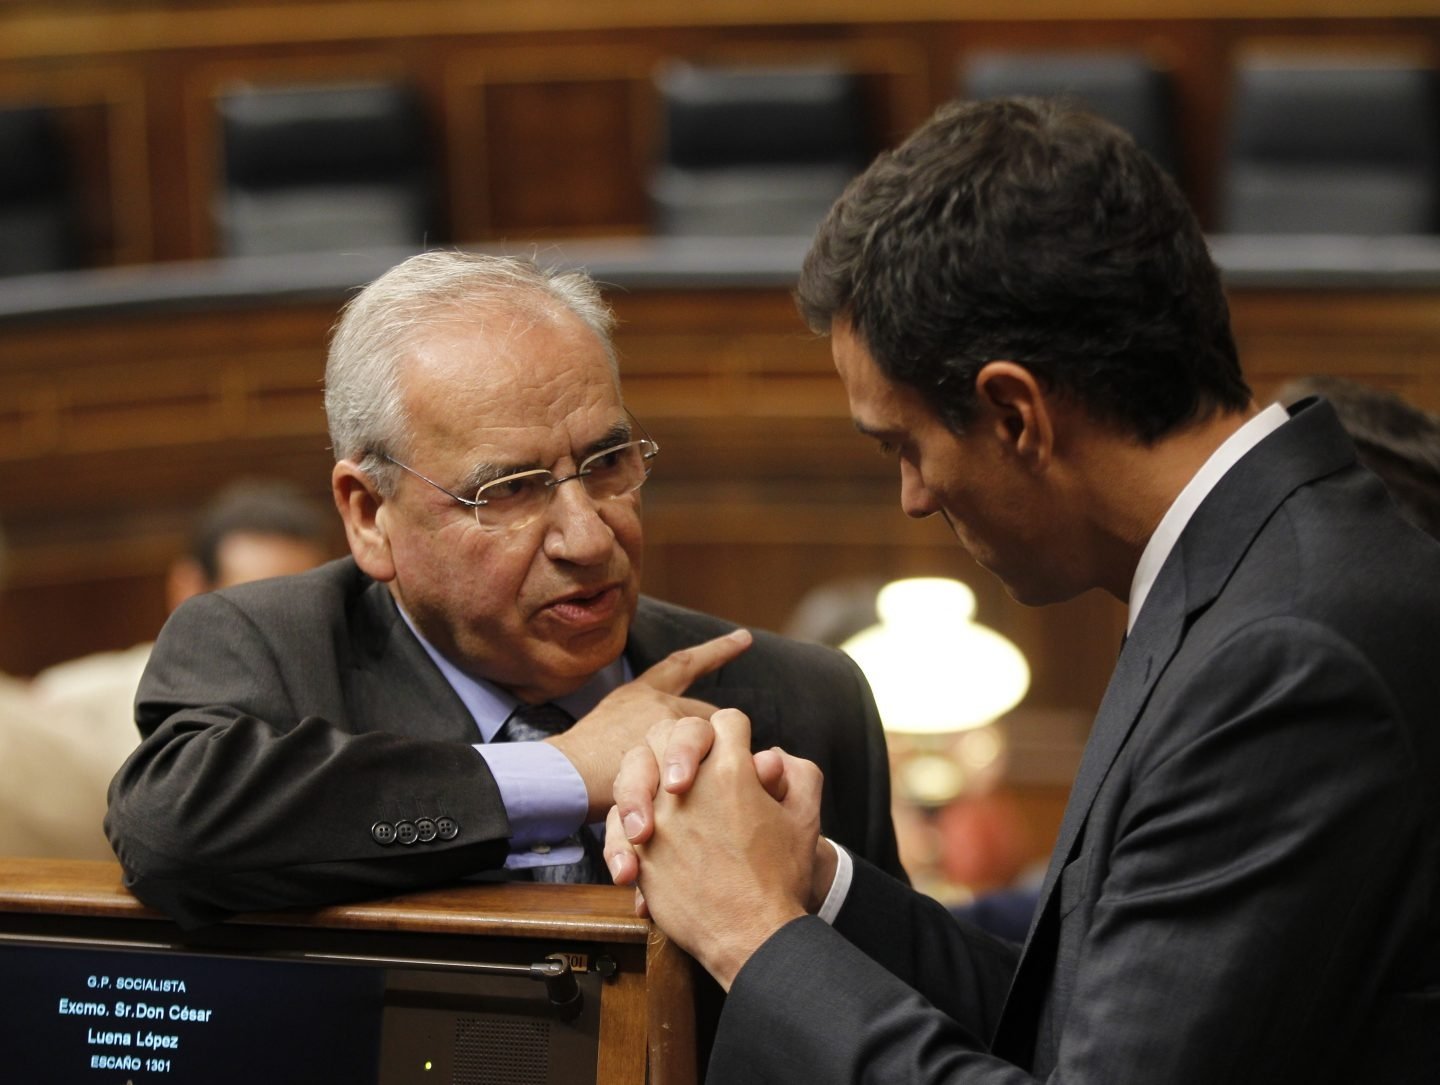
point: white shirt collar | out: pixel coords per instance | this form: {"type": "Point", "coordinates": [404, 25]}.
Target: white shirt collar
{"type": "Point", "coordinates": [1167, 534]}
{"type": "Point", "coordinates": [491, 706]}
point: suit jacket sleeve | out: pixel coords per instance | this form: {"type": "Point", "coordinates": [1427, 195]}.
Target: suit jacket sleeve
{"type": "Point", "coordinates": [898, 990]}
{"type": "Point", "coordinates": [1221, 923]}
{"type": "Point", "coordinates": [260, 777]}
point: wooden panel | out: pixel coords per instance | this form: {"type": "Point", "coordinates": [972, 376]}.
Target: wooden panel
{"type": "Point", "coordinates": [672, 1051]}
{"type": "Point", "coordinates": [34, 28]}
{"type": "Point", "coordinates": [544, 115]}
{"type": "Point", "coordinates": [101, 115]}
{"type": "Point", "coordinates": [557, 153]}
{"type": "Point", "coordinates": [1391, 341]}
{"type": "Point", "coordinates": [551, 138]}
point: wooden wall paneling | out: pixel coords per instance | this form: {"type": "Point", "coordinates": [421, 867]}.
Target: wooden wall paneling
{"type": "Point", "coordinates": [724, 354]}
{"type": "Point", "coordinates": [189, 377]}
{"type": "Point", "coordinates": [103, 125]}
{"type": "Point", "coordinates": [37, 28]}
{"type": "Point", "coordinates": [549, 140]}
{"type": "Point", "coordinates": [117, 430]}
{"type": "Point", "coordinates": [561, 93]}
{"type": "Point", "coordinates": [1390, 339]}
{"type": "Point", "coordinates": [43, 623]}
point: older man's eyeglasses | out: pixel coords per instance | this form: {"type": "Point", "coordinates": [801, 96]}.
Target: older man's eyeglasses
{"type": "Point", "coordinates": [514, 501]}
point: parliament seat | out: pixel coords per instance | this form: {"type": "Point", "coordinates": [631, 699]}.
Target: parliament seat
{"type": "Point", "coordinates": [37, 231]}
{"type": "Point", "coordinates": [321, 168]}
{"type": "Point", "coordinates": [1332, 148]}
{"type": "Point", "coordinates": [1125, 88]}
{"type": "Point", "coordinates": [761, 151]}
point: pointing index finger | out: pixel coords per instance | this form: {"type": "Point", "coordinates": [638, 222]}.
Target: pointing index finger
{"type": "Point", "coordinates": [677, 671]}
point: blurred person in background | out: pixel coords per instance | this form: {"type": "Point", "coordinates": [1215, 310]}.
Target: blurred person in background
{"type": "Point", "coordinates": [1394, 438]}
{"type": "Point", "coordinates": [52, 776]}
{"type": "Point", "coordinates": [251, 530]}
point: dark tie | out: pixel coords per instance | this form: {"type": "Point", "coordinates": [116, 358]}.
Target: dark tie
{"type": "Point", "coordinates": [532, 723]}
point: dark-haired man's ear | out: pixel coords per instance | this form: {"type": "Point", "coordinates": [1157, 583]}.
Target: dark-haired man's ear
{"type": "Point", "coordinates": [361, 509]}
{"type": "Point", "coordinates": [1015, 404]}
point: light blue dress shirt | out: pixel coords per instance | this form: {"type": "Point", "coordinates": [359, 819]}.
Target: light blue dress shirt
{"type": "Point", "coordinates": [544, 796]}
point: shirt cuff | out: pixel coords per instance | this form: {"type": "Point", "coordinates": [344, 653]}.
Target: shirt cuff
{"type": "Point", "coordinates": [840, 887]}
{"type": "Point", "coordinates": [544, 797]}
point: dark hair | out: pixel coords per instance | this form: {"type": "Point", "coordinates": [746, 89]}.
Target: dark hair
{"type": "Point", "coordinates": [1396, 440]}
{"type": "Point", "coordinates": [1028, 230]}
{"type": "Point", "coordinates": [255, 508]}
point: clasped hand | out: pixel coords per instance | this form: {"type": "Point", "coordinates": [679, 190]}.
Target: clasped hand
{"type": "Point", "coordinates": [596, 743]}
{"type": "Point", "coordinates": [724, 845]}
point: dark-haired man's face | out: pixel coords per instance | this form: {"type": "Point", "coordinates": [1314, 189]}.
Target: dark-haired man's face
{"type": "Point", "coordinates": [995, 506]}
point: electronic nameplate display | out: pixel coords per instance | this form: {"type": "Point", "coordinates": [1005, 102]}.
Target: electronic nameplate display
{"type": "Point", "coordinates": [77, 1013]}
{"type": "Point", "coordinates": [70, 1015]}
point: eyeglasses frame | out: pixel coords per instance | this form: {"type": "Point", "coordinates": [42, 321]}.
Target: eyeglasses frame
{"type": "Point", "coordinates": [476, 505]}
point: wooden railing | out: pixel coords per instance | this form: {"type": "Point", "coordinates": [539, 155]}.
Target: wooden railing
{"type": "Point", "coordinates": [642, 1031]}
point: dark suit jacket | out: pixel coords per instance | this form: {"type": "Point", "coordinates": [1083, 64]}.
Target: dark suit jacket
{"type": "Point", "coordinates": [1245, 885]}
{"type": "Point", "coordinates": [283, 719]}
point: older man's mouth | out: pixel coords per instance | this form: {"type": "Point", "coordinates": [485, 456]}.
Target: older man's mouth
{"type": "Point", "coordinates": [581, 609]}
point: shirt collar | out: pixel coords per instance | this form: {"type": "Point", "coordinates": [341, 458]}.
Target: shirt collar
{"type": "Point", "coordinates": [490, 705]}
{"type": "Point", "coordinates": [1167, 534]}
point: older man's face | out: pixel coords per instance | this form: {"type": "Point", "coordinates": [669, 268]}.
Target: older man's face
{"type": "Point", "coordinates": [540, 608]}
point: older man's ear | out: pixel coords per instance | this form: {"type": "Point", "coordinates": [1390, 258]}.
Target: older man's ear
{"type": "Point", "coordinates": [362, 510]}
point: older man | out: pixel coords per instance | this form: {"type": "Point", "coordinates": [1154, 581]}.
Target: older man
{"type": "Point", "coordinates": [1246, 887]}
{"type": "Point", "coordinates": [399, 718]}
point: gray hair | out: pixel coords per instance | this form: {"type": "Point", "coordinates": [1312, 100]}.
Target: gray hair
{"type": "Point", "coordinates": [382, 324]}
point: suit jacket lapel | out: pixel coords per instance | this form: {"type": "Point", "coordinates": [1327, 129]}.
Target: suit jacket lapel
{"type": "Point", "coordinates": [1148, 649]}
{"type": "Point", "coordinates": [395, 679]}
{"type": "Point", "coordinates": [1311, 446]}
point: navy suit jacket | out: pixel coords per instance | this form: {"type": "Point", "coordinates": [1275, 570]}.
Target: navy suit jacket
{"type": "Point", "coordinates": [283, 719]}
{"type": "Point", "coordinates": [1244, 889]}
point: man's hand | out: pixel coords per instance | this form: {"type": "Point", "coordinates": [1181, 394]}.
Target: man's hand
{"type": "Point", "coordinates": [594, 743]}
{"type": "Point", "coordinates": [674, 749]}
{"type": "Point", "coordinates": [728, 858]}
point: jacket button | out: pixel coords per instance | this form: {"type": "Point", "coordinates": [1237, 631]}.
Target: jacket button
{"type": "Point", "coordinates": [447, 828]}
{"type": "Point", "coordinates": [426, 830]}
{"type": "Point", "coordinates": [382, 832]}
{"type": "Point", "coordinates": [406, 833]}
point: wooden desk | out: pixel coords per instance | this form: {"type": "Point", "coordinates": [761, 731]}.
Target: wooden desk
{"type": "Point", "coordinates": [646, 1017]}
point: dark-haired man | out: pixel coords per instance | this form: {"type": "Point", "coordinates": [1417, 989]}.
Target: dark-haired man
{"type": "Point", "coordinates": [1246, 886]}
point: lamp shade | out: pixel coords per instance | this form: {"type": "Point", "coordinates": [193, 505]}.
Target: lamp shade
{"type": "Point", "coordinates": [932, 667]}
